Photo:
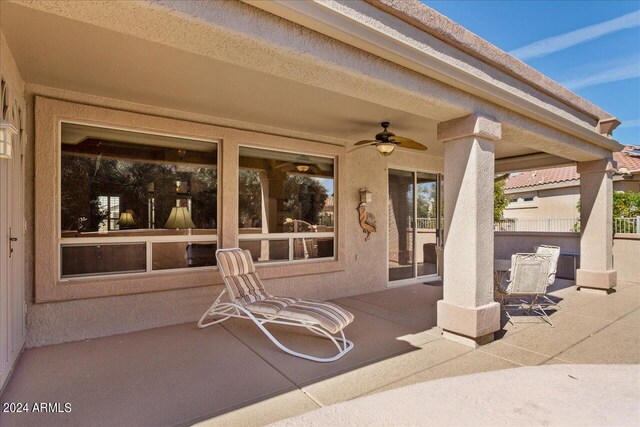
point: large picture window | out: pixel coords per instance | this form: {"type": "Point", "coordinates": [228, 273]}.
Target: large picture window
{"type": "Point", "coordinates": [135, 202]}
{"type": "Point", "coordinates": [286, 205]}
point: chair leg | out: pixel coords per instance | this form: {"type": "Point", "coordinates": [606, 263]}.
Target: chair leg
{"type": "Point", "coordinates": [535, 305]}
{"type": "Point", "coordinates": [212, 310]}
{"type": "Point", "coordinates": [551, 302]}
{"type": "Point", "coordinates": [343, 349]}
{"type": "Point", "coordinates": [504, 307]}
{"type": "Point", "coordinates": [346, 344]}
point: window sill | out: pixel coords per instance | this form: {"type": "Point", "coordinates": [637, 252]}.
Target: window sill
{"type": "Point", "coordinates": [139, 283]}
{"type": "Point", "coordinates": [522, 206]}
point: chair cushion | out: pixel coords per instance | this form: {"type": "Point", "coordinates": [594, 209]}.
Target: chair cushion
{"type": "Point", "coordinates": [246, 288]}
{"type": "Point", "coordinates": [234, 262]}
{"type": "Point", "coordinates": [330, 316]}
{"type": "Point", "coordinates": [270, 306]}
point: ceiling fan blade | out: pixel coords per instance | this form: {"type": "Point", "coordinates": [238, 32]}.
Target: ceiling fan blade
{"type": "Point", "coordinates": [356, 148]}
{"type": "Point", "coordinates": [403, 142]}
{"type": "Point", "coordinates": [289, 164]}
{"type": "Point", "coordinates": [366, 142]}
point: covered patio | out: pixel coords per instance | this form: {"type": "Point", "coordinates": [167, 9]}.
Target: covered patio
{"type": "Point", "coordinates": [232, 375]}
{"type": "Point", "coordinates": [148, 135]}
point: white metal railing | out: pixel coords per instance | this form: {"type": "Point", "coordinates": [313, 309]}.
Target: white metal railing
{"type": "Point", "coordinates": [620, 225]}
{"type": "Point", "coordinates": [550, 225]}
{"type": "Point", "coordinates": [426, 223]}
{"type": "Point", "coordinates": [626, 225]}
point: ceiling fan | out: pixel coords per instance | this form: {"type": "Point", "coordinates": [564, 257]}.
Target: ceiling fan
{"type": "Point", "coordinates": [386, 142]}
{"type": "Point", "coordinates": [302, 164]}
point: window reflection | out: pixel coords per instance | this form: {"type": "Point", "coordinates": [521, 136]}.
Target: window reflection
{"type": "Point", "coordinates": [119, 183]}
{"type": "Point", "coordinates": [284, 192]}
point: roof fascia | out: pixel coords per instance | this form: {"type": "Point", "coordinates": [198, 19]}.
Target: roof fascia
{"type": "Point", "coordinates": [330, 22]}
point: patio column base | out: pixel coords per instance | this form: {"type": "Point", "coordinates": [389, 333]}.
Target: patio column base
{"type": "Point", "coordinates": [603, 281]}
{"type": "Point", "coordinates": [468, 341]}
{"type": "Point", "coordinates": [471, 326]}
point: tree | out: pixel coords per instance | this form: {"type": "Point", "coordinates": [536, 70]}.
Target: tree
{"type": "Point", "coordinates": [426, 194]}
{"type": "Point", "coordinates": [304, 198]}
{"type": "Point", "coordinates": [625, 205]}
{"type": "Point", "coordinates": [500, 202]}
{"type": "Point", "coordinates": [250, 199]}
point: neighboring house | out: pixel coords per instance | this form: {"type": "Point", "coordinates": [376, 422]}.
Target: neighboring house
{"type": "Point", "coordinates": [554, 193]}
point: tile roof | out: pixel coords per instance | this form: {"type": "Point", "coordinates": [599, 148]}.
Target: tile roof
{"type": "Point", "coordinates": [541, 177]}
{"type": "Point", "coordinates": [628, 158]}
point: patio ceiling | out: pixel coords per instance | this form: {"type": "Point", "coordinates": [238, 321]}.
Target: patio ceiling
{"type": "Point", "coordinates": [72, 55]}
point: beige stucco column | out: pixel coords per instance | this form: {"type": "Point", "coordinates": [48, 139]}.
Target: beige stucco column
{"type": "Point", "coordinates": [596, 226]}
{"type": "Point", "coordinates": [467, 313]}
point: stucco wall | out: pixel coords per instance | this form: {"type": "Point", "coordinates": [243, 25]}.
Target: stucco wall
{"type": "Point", "coordinates": [365, 262]}
{"type": "Point", "coordinates": [626, 254]}
{"type": "Point", "coordinates": [551, 203]}
{"type": "Point", "coordinates": [628, 185]}
{"type": "Point", "coordinates": [558, 202]}
{"type": "Point", "coordinates": [508, 243]}
{"type": "Point", "coordinates": [626, 248]}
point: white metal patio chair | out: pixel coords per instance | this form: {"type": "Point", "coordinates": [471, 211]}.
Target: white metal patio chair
{"type": "Point", "coordinates": [529, 279]}
{"type": "Point", "coordinates": [249, 300]}
{"type": "Point", "coordinates": [554, 252]}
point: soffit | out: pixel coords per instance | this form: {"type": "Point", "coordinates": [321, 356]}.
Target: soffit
{"type": "Point", "coordinates": [80, 57]}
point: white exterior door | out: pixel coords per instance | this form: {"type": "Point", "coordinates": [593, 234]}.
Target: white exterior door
{"type": "Point", "coordinates": [12, 233]}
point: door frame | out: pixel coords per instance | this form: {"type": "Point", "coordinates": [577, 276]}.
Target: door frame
{"type": "Point", "coordinates": [12, 265]}
{"type": "Point", "coordinates": [429, 277]}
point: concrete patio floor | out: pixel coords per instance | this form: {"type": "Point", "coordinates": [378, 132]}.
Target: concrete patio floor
{"type": "Point", "coordinates": [232, 375]}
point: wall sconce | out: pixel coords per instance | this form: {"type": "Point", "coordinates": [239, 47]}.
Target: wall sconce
{"type": "Point", "coordinates": [365, 196]}
{"type": "Point", "coordinates": [7, 130]}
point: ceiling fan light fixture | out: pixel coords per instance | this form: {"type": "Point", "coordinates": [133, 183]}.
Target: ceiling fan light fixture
{"type": "Point", "coordinates": [302, 168]}
{"type": "Point", "coordinates": [385, 148]}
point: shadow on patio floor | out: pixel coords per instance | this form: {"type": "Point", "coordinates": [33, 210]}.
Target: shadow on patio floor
{"type": "Point", "coordinates": [180, 374]}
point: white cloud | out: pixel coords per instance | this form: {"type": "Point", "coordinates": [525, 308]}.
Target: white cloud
{"type": "Point", "coordinates": [563, 41]}
{"type": "Point", "coordinates": [630, 123]}
{"type": "Point", "coordinates": [613, 74]}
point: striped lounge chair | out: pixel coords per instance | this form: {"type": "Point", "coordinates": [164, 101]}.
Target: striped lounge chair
{"type": "Point", "coordinates": [248, 299]}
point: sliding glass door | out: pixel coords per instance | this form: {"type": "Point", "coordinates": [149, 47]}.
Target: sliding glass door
{"type": "Point", "coordinates": [414, 224]}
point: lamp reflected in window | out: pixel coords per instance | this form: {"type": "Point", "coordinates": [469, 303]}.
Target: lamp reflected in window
{"type": "Point", "coordinates": [126, 220]}
{"type": "Point", "coordinates": [119, 184]}
{"type": "Point", "coordinates": [179, 219]}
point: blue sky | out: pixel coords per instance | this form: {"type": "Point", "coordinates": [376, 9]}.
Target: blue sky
{"type": "Point", "coordinates": [592, 47]}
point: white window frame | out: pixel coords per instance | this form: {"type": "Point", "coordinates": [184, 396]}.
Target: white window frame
{"type": "Point", "coordinates": [147, 240]}
{"type": "Point", "coordinates": [252, 237]}
{"type": "Point", "coordinates": [519, 202]}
